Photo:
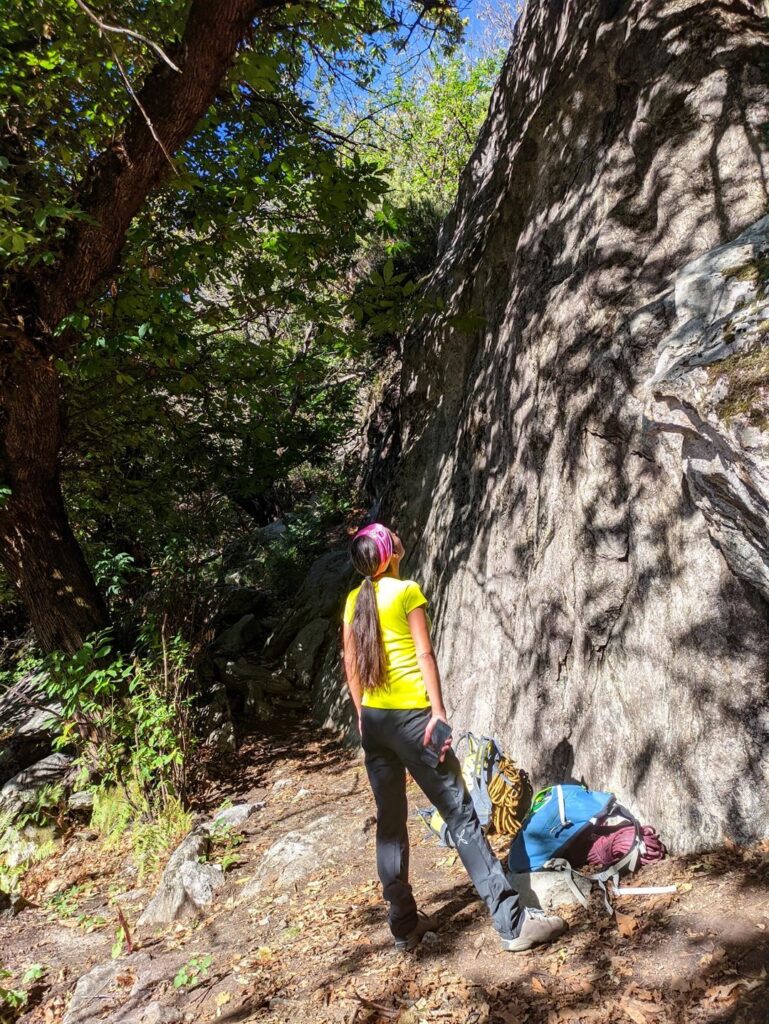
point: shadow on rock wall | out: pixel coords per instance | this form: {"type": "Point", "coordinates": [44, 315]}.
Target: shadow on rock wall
{"type": "Point", "coordinates": [581, 604]}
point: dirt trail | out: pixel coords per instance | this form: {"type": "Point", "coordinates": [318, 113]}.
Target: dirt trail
{"type": "Point", "coordinates": [301, 934]}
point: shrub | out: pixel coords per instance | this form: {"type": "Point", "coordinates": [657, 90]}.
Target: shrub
{"type": "Point", "coordinates": [128, 716]}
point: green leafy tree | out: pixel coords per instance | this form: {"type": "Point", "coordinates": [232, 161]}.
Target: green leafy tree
{"type": "Point", "coordinates": [422, 128]}
{"type": "Point", "coordinates": [164, 185]}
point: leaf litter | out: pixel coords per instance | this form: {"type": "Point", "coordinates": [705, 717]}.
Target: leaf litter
{"type": "Point", "coordinates": [319, 950]}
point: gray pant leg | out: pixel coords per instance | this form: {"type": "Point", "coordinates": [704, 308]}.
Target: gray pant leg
{"type": "Point", "coordinates": [446, 789]}
{"type": "Point", "coordinates": [388, 782]}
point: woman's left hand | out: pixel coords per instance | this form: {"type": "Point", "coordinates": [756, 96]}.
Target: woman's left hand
{"type": "Point", "coordinates": [429, 732]}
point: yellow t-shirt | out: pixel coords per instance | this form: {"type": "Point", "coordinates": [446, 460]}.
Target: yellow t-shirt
{"type": "Point", "coordinates": [405, 687]}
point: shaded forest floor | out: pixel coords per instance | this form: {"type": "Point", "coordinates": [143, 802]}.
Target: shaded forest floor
{"type": "Point", "coordinates": [300, 934]}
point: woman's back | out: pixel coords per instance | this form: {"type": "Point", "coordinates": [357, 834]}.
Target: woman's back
{"type": "Point", "coordinates": [404, 686]}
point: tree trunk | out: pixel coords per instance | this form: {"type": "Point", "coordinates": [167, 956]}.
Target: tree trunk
{"type": "Point", "coordinates": [37, 546]}
{"type": "Point", "coordinates": [39, 550]}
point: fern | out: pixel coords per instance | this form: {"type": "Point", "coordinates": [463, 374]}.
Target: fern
{"type": "Point", "coordinates": [152, 826]}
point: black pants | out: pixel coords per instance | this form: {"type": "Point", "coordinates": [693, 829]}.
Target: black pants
{"type": "Point", "coordinates": [393, 742]}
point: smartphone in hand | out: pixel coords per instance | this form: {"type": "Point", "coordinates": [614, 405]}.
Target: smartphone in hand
{"type": "Point", "coordinates": [441, 732]}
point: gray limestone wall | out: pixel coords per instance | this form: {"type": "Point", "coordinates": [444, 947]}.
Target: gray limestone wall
{"type": "Point", "coordinates": [582, 477]}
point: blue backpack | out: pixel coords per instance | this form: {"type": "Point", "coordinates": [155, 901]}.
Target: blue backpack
{"type": "Point", "coordinates": [559, 816]}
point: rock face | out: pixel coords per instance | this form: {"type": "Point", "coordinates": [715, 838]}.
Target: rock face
{"type": "Point", "coordinates": [711, 397]}
{"type": "Point", "coordinates": [27, 725]}
{"type": "Point", "coordinates": [582, 479]}
{"type": "Point", "coordinates": [24, 788]}
{"type": "Point", "coordinates": [296, 855]}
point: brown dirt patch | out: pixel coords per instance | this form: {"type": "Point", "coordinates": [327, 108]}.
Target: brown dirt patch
{"type": "Point", "coordinates": [319, 950]}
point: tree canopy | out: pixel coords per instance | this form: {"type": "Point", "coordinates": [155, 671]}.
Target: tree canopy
{"type": "Point", "coordinates": [179, 226]}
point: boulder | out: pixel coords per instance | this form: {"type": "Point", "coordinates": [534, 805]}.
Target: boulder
{"type": "Point", "coordinates": [12, 904]}
{"type": "Point", "coordinates": [273, 531]}
{"type": "Point", "coordinates": [222, 738]}
{"type": "Point", "coordinates": [320, 597]}
{"type": "Point", "coordinates": [237, 602]}
{"type": "Point", "coordinates": [301, 658]}
{"type": "Point", "coordinates": [121, 991]}
{"type": "Point", "coordinates": [23, 789]}
{"type": "Point", "coordinates": [332, 706]}
{"type": "Point", "coordinates": [214, 720]}
{"type": "Point", "coordinates": [241, 674]}
{"type": "Point", "coordinates": [156, 1013]}
{"type": "Point", "coordinates": [187, 885]}
{"type": "Point", "coordinates": [28, 721]}
{"type": "Point", "coordinates": [240, 637]}
{"type": "Point", "coordinates": [81, 802]}
{"type": "Point", "coordinates": [256, 705]}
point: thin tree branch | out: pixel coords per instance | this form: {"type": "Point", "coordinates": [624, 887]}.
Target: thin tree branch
{"type": "Point", "coordinates": [137, 101]}
{"type": "Point", "coordinates": [118, 30]}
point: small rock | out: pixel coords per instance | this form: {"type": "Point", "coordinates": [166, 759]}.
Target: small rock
{"type": "Point", "coordinates": [548, 889]}
{"type": "Point", "coordinates": [154, 1013]}
{"type": "Point", "coordinates": [87, 835]}
{"type": "Point", "coordinates": [235, 815]}
{"type": "Point", "coordinates": [81, 801]}
{"type": "Point", "coordinates": [281, 783]}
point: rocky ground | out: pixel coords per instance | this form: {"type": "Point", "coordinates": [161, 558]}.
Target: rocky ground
{"type": "Point", "coordinates": [297, 929]}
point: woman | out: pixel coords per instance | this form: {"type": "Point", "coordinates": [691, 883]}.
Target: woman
{"type": "Point", "coordinates": [392, 674]}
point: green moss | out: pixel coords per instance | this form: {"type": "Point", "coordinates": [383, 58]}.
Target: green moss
{"type": "Point", "coordinates": [756, 270]}
{"type": "Point", "coordinates": [747, 375]}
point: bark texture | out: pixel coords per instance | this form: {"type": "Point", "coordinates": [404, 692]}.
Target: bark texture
{"type": "Point", "coordinates": [595, 568]}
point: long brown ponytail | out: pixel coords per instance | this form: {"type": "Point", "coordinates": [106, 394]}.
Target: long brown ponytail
{"type": "Point", "coordinates": [370, 659]}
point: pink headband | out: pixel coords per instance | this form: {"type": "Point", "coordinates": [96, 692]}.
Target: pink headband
{"type": "Point", "coordinates": [383, 540]}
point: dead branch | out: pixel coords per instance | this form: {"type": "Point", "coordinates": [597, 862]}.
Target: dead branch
{"type": "Point", "coordinates": [119, 30]}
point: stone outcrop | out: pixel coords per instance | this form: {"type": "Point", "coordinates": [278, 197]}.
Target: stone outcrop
{"type": "Point", "coordinates": [582, 476]}
{"type": "Point", "coordinates": [189, 882]}
{"type": "Point", "coordinates": [27, 725]}
{"type": "Point", "coordinates": [711, 397]}
{"type": "Point", "coordinates": [23, 789]}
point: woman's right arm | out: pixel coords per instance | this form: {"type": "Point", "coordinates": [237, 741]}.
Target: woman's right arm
{"type": "Point", "coordinates": [428, 665]}
{"type": "Point", "coordinates": [351, 669]}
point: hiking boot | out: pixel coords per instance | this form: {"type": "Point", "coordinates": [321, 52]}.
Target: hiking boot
{"type": "Point", "coordinates": [411, 941]}
{"type": "Point", "coordinates": [536, 928]}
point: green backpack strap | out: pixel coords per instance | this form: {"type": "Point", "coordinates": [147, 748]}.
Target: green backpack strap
{"type": "Point", "coordinates": [482, 766]}
{"type": "Point", "coordinates": [436, 825]}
